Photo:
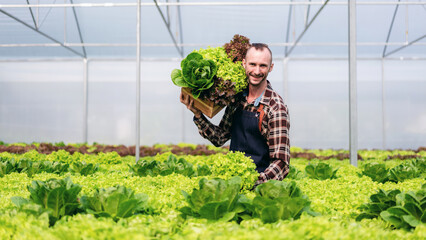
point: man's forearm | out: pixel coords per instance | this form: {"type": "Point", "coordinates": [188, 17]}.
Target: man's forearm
{"type": "Point", "coordinates": [216, 135]}
{"type": "Point", "coordinates": [277, 170]}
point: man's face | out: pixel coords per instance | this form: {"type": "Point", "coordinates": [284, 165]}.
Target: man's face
{"type": "Point", "coordinates": [257, 64]}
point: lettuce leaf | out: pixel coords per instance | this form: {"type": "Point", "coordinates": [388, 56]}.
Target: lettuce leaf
{"type": "Point", "coordinates": [197, 73]}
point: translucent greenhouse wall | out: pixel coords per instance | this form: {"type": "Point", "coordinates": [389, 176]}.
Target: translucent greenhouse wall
{"type": "Point", "coordinates": [44, 102]}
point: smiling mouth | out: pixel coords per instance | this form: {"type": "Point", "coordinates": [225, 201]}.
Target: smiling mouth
{"type": "Point", "coordinates": [257, 76]}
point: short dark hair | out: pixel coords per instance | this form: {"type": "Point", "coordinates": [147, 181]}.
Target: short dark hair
{"type": "Point", "coordinates": [260, 46]}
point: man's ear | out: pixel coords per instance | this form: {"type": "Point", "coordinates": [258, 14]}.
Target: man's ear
{"type": "Point", "coordinates": [272, 66]}
{"type": "Point", "coordinates": [243, 62]}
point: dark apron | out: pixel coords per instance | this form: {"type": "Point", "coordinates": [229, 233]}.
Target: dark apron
{"type": "Point", "coordinates": [246, 138]}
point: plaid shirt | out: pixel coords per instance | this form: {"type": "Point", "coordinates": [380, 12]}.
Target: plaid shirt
{"type": "Point", "coordinates": [275, 130]}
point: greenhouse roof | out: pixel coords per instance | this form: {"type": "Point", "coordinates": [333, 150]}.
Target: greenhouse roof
{"type": "Point", "coordinates": [33, 29]}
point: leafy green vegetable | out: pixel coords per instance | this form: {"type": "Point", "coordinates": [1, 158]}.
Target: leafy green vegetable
{"type": "Point", "coordinates": [151, 167]}
{"type": "Point", "coordinates": [84, 168]}
{"type": "Point", "coordinates": [403, 171]}
{"type": "Point", "coordinates": [216, 199]}
{"type": "Point", "coordinates": [233, 164]}
{"type": "Point", "coordinates": [277, 200]}
{"type": "Point", "coordinates": [400, 209]}
{"type": "Point", "coordinates": [376, 171]}
{"type": "Point", "coordinates": [8, 166]}
{"type": "Point", "coordinates": [115, 202]}
{"type": "Point", "coordinates": [295, 173]}
{"type": "Point", "coordinates": [321, 171]}
{"type": "Point", "coordinates": [25, 165]}
{"type": "Point", "coordinates": [57, 197]}
{"type": "Point", "coordinates": [197, 73]}
{"type": "Point", "coordinates": [379, 202]}
{"type": "Point", "coordinates": [227, 69]}
{"type": "Point", "coordinates": [409, 212]}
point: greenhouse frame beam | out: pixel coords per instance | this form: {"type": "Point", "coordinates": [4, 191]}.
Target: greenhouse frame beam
{"type": "Point", "coordinates": [307, 14]}
{"type": "Point", "coordinates": [168, 29]}
{"type": "Point", "coordinates": [41, 33]}
{"type": "Point", "coordinates": [408, 44]}
{"type": "Point", "coordinates": [306, 28]}
{"type": "Point", "coordinates": [32, 15]}
{"type": "Point", "coordinates": [290, 10]}
{"type": "Point", "coordinates": [207, 4]}
{"type": "Point", "coordinates": [283, 44]}
{"type": "Point", "coordinates": [79, 30]}
{"type": "Point", "coordinates": [390, 29]}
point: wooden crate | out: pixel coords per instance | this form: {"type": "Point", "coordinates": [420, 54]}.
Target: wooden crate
{"type": "Point", "coordinates": [205, 106]}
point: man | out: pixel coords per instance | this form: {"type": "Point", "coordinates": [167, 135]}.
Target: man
{"type": "Point", "coordinates": [257, 123]}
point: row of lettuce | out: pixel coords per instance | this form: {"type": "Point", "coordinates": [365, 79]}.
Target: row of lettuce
{"type": "Point", "coordinates": [193, 149]}
{"type": "Point", "coordinates": [61, 162]}
{"type": "Point", "coordinates": [220, 196]}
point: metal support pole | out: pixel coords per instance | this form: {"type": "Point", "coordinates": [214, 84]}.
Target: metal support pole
{"type": "Point", "coordinates": [85, 99]}
{"type": "Point", "coordinates": [383, 106]}
{"type": "Point", "coordinates": [180, 29]}
{"type": "Point", "coordinates": [353, 128]}
{"type": "Point", "coordinates": [287, 36]}
{"type": "Point", "coordinates": [138, 81]}
{"type": "Point", "coordinates": [285, 79]}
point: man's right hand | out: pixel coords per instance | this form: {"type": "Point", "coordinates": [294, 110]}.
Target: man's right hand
{"type": "Point", "coordinates": [189, 103]}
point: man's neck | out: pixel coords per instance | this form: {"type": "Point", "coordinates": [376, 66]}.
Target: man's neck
{"type": "Point", "coordinates": [256, 91]}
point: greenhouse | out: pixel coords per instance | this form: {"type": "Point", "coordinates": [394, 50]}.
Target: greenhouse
{"type": "Point", "coordinates": [96, 144]}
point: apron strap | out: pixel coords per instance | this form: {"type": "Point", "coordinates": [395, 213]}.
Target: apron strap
{"type": "Point", "coordinates": [261, 112]}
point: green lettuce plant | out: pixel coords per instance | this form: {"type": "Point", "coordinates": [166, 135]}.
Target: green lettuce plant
{"type": "Point", "coordinates": [277, 200]}
{"type": "Point", "coordinates": [115, 202]}
{"type": "Point", "coordinates": [215, 199]}
{"type": "Point", "coordinates": [151, 167]}
{"type": "Point", "coordinates": [295, 173]}
{"type": "Point", "coordinates": [197, 73]}
{"type": "Point", "coordinates": [56, 197]}
{"type": "Point", "coordinates": [400, 209]}
{"type": "Point", "coordinates": [376, 171]}
{"type": "Point", "coordinates": [84, 168]}
{"type": "Point", "coordinates": [321, 171]}
{"type": "Point", "coordinates": [404, 171]}
{"type": "Point", "coordinates": [379, 201]}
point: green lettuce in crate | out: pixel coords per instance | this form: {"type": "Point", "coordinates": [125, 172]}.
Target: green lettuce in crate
{"type": "Point", "coordinates": [228, 77]}
{"type": "Point", "coordinates": [197, 73]}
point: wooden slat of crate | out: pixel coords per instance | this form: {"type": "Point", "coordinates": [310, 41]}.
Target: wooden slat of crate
{"type": "Point", "coordinates": [205, 106]}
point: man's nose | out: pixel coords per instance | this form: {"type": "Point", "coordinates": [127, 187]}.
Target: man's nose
{"type": "Point", "coordinates": [256, 70]}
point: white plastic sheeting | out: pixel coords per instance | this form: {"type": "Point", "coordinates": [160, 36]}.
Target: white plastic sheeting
{"type": "Point", "coordinates": [47, 105]}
